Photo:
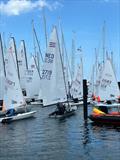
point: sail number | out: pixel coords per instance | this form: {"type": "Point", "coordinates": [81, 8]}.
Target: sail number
{"type": "Point", "coordinates": [49, 57]}
{"type": "Point", "coordinates": [105, 83]}
{"type": "Point", "coordinates": [46, 74]}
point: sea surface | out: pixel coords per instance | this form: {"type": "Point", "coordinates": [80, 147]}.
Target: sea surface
{"type": "Point", "coordinates": [44, 138]}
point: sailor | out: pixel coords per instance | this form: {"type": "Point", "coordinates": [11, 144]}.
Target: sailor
{"type": "Point", "coordinates": [1, 102]}
{"type": "Point", "coordinates": [119, 99]}
{"type": "Point", "coordinates": [93, 97]}
{"type": "Point", "coordinates": [10, 112]}
{"type": "Point", "coordinates": [98, 98]}
{"type": "Point", "coordinates": [61, 108]}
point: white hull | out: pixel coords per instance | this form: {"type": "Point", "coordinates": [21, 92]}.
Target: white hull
{"type": "Point", "coordinates": [105, 104]}
{"type": "Point", "coordinates": [36, 102]}
{"type": "Point", "coordinates": [66, 114]}
{"type": "Point", "coordinates": [18, 117]}
{"type": "Point", "coordinates": [78, 103]}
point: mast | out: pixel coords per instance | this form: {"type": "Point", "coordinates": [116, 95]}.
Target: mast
{"type": "Point", "coordinates": [103, 40]}
{"type": "Point", "coordinates": [73, 56]}
{"type": "Point", "coordinates": [25, 54]}
{"type": "Point", "coordinates": [112, 58]}
{"type": "Point", "coordinates": [93, 71]}
{"type": "Point", "coordinates": [44, 22]}
{"type": "Point", "coordinates": [62, 68]}
{"type": "Point", "coordinates": [96, 62]}
{"type": "Point", "coordinates": [63, 48]}
{"type": "Point", "coordinates": [36, 53]}
{"type": "Point", "coordinates": [33, 37]}
{"type": "Point", "coordinates": [37, 67]}
{"type": "Point", "coordinates": [16, 57]}
{"type": "Point", "coordinates": [2, 55]}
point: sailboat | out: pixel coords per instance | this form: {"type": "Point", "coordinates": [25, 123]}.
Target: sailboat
{"type": "Point", "coordinates": [22, 64]}
{"type": "Point", "coordinates": [13, 97]}
{"type": "Point", "coordinates": [77, 86]}
{"type": "Point", "coordinates": [108, 89]}
{"type": "Point", "coordinates": [2, 76]}
{"type": "Point", "coordinates": [52, 78]}
{"type": "Point", "coordinates": [33, 82]}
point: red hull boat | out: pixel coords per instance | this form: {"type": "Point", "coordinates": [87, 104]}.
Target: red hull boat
{"type": "Point", "coordinates": [100, 117]}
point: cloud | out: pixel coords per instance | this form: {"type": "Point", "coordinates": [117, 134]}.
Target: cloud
{"type": "Point", "coordinates": [17, 7]}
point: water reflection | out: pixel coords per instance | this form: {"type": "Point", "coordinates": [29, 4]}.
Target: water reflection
{"type": "Point", "coordinates": [71, 138]}
{"type": "Point", "coordinates": [86, 137]}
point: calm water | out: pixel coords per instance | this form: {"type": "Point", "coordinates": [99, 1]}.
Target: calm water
{"type": "Point", "coordinates": [42, 138]}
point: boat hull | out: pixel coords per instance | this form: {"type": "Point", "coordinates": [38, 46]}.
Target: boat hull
{"type": "Point", "coordinates": [18, 117]}
{"type": "Point", "coordinates": [66, 114]}
{"type": "Point", "coordinates": [113, 105]}
{"type": "Point", "coordinates": [36, 103]}
{"type": "Point", "coordinates": [106, 119]}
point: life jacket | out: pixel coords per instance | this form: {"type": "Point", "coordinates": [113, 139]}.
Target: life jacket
{"type": "Point", "coordinates": [118, 99]}
{"type": "Point", "coordinates": [3, 107]}
{"type": "Point", "coordinates": [98, 98]}
{"type": "Point", "coordinates": [93, 97]}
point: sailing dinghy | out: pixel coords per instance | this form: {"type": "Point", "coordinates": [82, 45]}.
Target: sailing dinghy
{"type": "Point", "coordinates": [108, 90]}
{"type": "Point", "coordinates": [13, 97]}
{"type": "Point", "coordinates": [54, 88]}
{"type": "Point", "coordinates": [33, 83]}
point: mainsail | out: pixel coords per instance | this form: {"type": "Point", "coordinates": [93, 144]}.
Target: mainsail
{"type": "Point", "coordinates": [2, 70]}
{"type": "Point", "coordinates": [32, 79]}
{"type": "Point", "coordinates": [22, 63]}
{"type": "Point", "coordinates": [52, 78]}
{"type": "Point", "coordinates": [108, 88]}
{"type": "Point", "coordinates": [13, 94]}
{"type": "Point", "coordinates": [77, 84]}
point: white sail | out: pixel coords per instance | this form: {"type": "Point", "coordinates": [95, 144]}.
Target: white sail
{"type": "Point", "coordinates": [53, 80]}
{"type": "Point", "coordinates": [13, 94]}
{"type": "Point", "coordinates": [98, 78]}
{"type": "Point", "coordinates": [12, 49]}
{"type": "Point", "coordinates": [22, 64]}
{"type": "Point", "coordinates": [77, 84]}
{"type": "Point", "coordinates": [2, 70]}
{"type": "Point", "coordinates": [91, 87]}
{"type": "Point", "coordinates": [66, 78]}
{"type": "Point", "coordinates": [108, 88]}
{"type": "Point", "coordinates": [32, 80]}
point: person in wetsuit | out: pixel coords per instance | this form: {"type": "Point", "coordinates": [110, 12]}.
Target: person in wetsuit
{"type": "Point", "coordinates": [10, 112]}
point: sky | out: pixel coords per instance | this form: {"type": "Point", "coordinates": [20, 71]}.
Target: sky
{"type": "Point", "coordinates": [81, 19]}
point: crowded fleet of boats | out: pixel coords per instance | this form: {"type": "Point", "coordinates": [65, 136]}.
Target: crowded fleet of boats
{"type": "Point", "coordinates": [49, 83]}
